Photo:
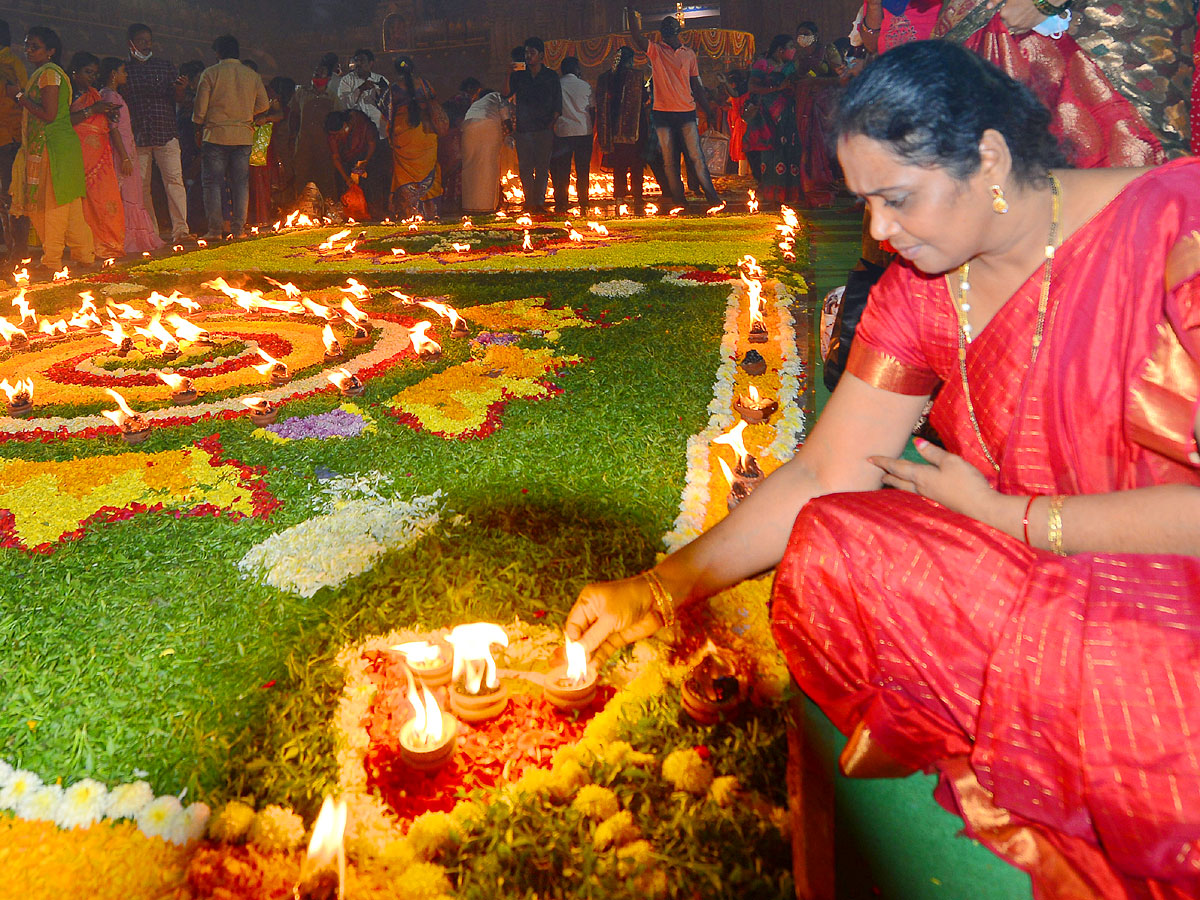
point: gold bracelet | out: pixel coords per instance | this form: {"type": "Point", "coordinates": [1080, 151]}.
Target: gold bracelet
{"type": "Point", "coordinates": [663, 602]}
{"type": "Point", "coordinates": [1054, 525]}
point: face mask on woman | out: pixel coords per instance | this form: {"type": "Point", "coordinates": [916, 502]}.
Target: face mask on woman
{"type": "Point", "coordinates": [806, 40]}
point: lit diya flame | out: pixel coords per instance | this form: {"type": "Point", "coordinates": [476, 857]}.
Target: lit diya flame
{"type": "Point", "coordinates": [188, 331]}
{"type": "Point", "coordinates": [111, 261]}
{"type": "Point", "coordinates": [333, 346]}
{"type": "Point", "coordinates": [82, 319]}
{"type": "Point", "coordinates": [419, 654]}
{"type": "Point", "coordinates": [527, 244]}
{"type": "Point", "coordinates": [333, 239]}
{"type": "Point", "coordinates": [713, 210]}
{"type": "Point", "coordinates": [356, 290]}
{"type": "Point", "coordinates": [257, 405]}
{"type": "Point", "coordinates": [461, 248]}
{"type": "Point", "coordinates": [289, 289]}
{"type": "Point", "coordinates": [501, 214]}
{"type": "Point", "coordinates": [19, 394]}
{"type": "Point", "coordinates": [353, 311]}
{"type": "Point", "coordinates": [123, 417]}
{"type": "Point", "coordinates": [178, 384]}
{"type": "Point", "coordinates": [423, 346]}
{"type": "Point", "coordinates": [750, 265]}
{"type": "Point", "coordinates": [598, 228]}
{"type": "Point", "coordinates": [457, 322]}
{"type": "Point", "coordinates": [346, 383]}
{"type": "Point", "coordinates": [789, 217]}
{"type": "Point", "coordinates": [754, 296]}
{"type": "Point", "coordinates": [323, 872]}
{"type": "Point", "coordinates": [397, 251]}
{"type": "Point", "coordinates": [157, 332]}
{"type": "Point", "coordinates": [623, 209]}
{"type": "Point", "coordinates": [115, 332]}
{"type": "Point", "coordinates": [467, 223]}
{"type": "Point", "coordinates": [675, 211]}
{"type": "Point", "coordinates": [254, 229]}
{"type": "Point", "coordinates": [124, 311]}
{"type": "Point", "coordinates": [87, 303]}
{"type": "Point", "coordinates": [27, 311]}
{"type": "Point", "coordinates": [574, 236]}
{"type": "Point", "coordinates": [577, 667]}
{"type": "Point", "coordinates": [318, 310]}
{"type": "Point", "coordinates": [651, 209]}
{"type": "Point", "coordinates": [752, 203]}
{"type": "Point", "coordinates": [747, 465]}
{"type": "Point", "coordinates": [473, 661]}
{"type": "Point", "coordinates": [349, 248]}
{"type": "Point", "coordinates": [725, 470]}
{"type": "Point", "coordinates": [21, 276]}
{"type": "Point", "coordinates": [427, 715]}
{"type": "Point", "coordinates": [201, 242]}
{"type": "Point", "coordinates": [597, 211]}
{"type": "Point", "coordinates": [178, 248]}
{"type": "Point", "coordinates": [52, 328]}
{"type": "Point", "coordinates": [403, 298]}
{"type": "Point", "coordinates": [62, 274]}
{"type": "Point", "coordinates": [8, 331]}
{"type": "Point", "coordinates": [525, 221]}
{"type": "Point", "coordinates": [272, 366]}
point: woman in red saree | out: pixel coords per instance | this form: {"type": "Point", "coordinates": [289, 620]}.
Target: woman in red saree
{"type": "Point", "coordinates": [103, 209]}
{"type": "Point", "coordinates": [1022, 615]}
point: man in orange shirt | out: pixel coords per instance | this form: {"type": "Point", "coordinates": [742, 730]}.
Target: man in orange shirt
{"type": "Point", "coordinates": [677, 92]}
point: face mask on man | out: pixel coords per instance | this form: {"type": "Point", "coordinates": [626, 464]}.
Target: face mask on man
{"type": "Point", "coordinates": [806, 40]}
{"type": "Point", "coordinates": [140, 56]}
{"type": "Point", "coordinates": [320, 83]}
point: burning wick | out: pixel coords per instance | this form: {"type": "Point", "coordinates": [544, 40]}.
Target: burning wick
{"type": "Point", "coordinates": [457, 322]}
{"type": "Point", "coordinates": [573, 684]}
{"type": "Point", "coordinates": [182, 391]}
{"type": "Point", "coordinates": [134, 428]}
{"type": "Point", "coordinates": [712, 690]}
{"type": "Point", "coordinates": [277, 371]}
{"type": "Point", "coordinates": [755, 409]}
{"type": "Point", "coordinates": [261, 410]}
{"type": "Point", "coordinates": [333, 347]}
{"type": "Point", "coordinates": [323, 872]}
{"type": "Point", "coordinates": [526, 244]}
{"type": "Point", "coordinates": [432, 663]}
{"type": "Point", "coordinates": [425, 347]}
{"type": "Point", "coordinates": [752, 203]}
{"type": "Point", "coordinates": [20, 397]}
{"type": "Point", "coordinates": [427, 739]}
{"type": "Point", "coordinates": [349, 385]}
{"type": "Point", "coordinates": [481, 695]}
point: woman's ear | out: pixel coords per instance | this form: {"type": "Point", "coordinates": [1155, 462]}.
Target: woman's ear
{"type": "Point", "coordinates": [995, 160]}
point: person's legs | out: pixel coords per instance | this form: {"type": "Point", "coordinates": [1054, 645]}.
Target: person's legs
{"type": "Point", "coordinates": [581, 148]}
{"type": "Point", "coordinates": [543, 146]}
{"type": "Point", "coordinates": [170, 168]}
{"type": "Point", "coordinates": [145, 161]}
{"type": "Point", "coordinates": [212, 177]}
{"type": "Point", "coordinates": [670, 154]}
{"type": "Point", "coordinates": [523, 141]}
{"type": "Point", "coordinates": [78, 235]}
{"type": "Point", "coordinates": [239, 183]}
{"type": "Point", "coordinates": [51, 227]}
{"type": "Point", "coordinates": [690, 134]}
{"type": "Point", "coordinates": [560, 173]}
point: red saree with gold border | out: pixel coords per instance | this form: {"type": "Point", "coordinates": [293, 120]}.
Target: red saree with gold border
{"type": "Point", "coordinates": [1058, 698]}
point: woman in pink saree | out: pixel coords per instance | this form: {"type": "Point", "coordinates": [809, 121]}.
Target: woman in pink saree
{"type": "Point", "coordinates": [1021, 613]}
{"type": "Point", "coordinates": [140, 234]}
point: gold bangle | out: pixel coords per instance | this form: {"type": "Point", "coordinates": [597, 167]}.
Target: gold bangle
{"type": "Point", "coordinates": [663, 602]}
{"type": "Point", "coordinates": [1054, 525]}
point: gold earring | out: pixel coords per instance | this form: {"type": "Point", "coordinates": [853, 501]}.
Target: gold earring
{"type": "Point", "coordinates": [999, 204]}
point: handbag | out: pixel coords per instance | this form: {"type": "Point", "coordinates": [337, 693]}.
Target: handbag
{"type": "Point", "coordinates": [260, 144]}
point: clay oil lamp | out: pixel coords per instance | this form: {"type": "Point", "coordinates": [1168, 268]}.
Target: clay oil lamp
{"type": "Point", "coordinates": [351, 312]}
{"type": "Point", "coordinates": [713, 690]}
{"type": "Point", "coordinates": [116, 334]}
{"type": "Point", "coordinates": [54, 331]}
{"type": "Point", "coordinates": [262, 411]}
{"type": "Point", "coordinates": [526, 242]}
{"type": "Point", "coordinates": [189, 331]}
{"type": "Point", "coordinates": [348, 385]}
{"type": "Point", "coordinates": [525, 221]}
{"type": "Point", "coordinates": [432, 662]}
{"type": "Point", "coordinates": [333, 347]}
{"type": "Point", "coordinates": [572, 685]}
{"type": "Point", "coordinates": [754, 408]}
{"type": "Point", "coordinates": [651, 209]}
{"type": "Point", "coordinates": [11, 333]}
{"type": "Point", "coordinates": [168, 347]}
{"type": "Point", "coordinates": [715, 210]}
{"type": "Point", "coordinates": [358, 291]}
{"type": "Point", "coordinates": [758, 327]}
{"type": "Point", "coordinates": [426, 348]}
{"type": "Point", "coordinates": [63, 274]}
{"type": "Point", "coordinates": [427, 739]}
{"type": "Point", "coordinates": [20, 397]}
{"type": "Point", "coordinates": [458, 325]}
{"type": "Point", "coordinates": [747, 475]}
{"type": "Point", "coordinates": [752, 203]}
{"type": "Point", "coordinates": [134, 428]}
{"type": "Point", "coordinates": [323, 871]}
{"type": "Point", "coordinates": [28, 313]}
{"type": "Point", "coordinates": [476, 693]}
{"type": "Point", "coordinates": [183, 391]}
{"type": "Point", "coordinates": [754, 363]}
{"type": "Point", "coordinates": [274, 369]}
{"type": "Point", "coordinates": [361, 334]}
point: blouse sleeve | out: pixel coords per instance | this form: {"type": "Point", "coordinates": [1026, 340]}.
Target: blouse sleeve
{"type": "Point", "coordinates": [887, 349]}
{"type": "Point", "coordinates": [50, 78]}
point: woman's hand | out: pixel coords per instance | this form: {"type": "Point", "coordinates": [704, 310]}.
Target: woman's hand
{"type": "Point", "coordinates": [610, 614]}
{"type": "Point", "coordinates": [948, 479]}
{"type": "Point", "coordinates": [127, 166]}
{"type": "Point", "coordinates": [1019, 15]}
{"type": "Point", "coordinates": [11, 90]}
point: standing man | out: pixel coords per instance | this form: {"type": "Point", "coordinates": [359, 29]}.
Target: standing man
{"type": "Point", "coordinates": [151, 91]}
{"type": "Point", "coordinates": [677, 92]}
{"type": "Point", "coordinates": [228, 98]}
{"type": "Point", "coordinates": [538, 100]}
{"type": "Point", "coordinates": [572, 136]}
{"type": "Point", "coordinates": [12, 71]}
{"type": "Point", "coordinates": [622, 123]}
{"type": "Point", "coordinates": [369, 93]}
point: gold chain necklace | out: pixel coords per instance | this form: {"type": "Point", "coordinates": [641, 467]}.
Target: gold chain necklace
{"type": "Point", "coordinates": [963, 307]}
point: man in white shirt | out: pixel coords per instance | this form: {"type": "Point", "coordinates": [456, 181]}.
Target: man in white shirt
{"type": "Point", "coordinates": [367, 92]}
{"type": "Point", "coordinates": [572, 136]}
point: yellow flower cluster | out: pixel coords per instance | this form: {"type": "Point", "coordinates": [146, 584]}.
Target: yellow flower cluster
{"type": "Point", "coordinates": [687, 771]}
{"type": "Point", "coordinates": [276, 828]}
{"type": "Point", "coordinates": [596, 802]}
{"type": "Point", "coordinates": [231, 822]}
{"type": "Point", "coordinates": [457, 401]}
{"type": "Point", "coordinates": [51, 498]}
{"type": "Point", "coordinates": [530, 314]}
{"type": "Point", "coordinates": [615, 831]}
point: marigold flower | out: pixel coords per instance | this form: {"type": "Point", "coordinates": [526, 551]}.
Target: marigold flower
{"type": "Point", "coordinates": [422, 881]}
{"type": "Point", "coordinates": [633, 856]}
{"type": "Point", "coordinates": [724, 790]}
{"type": "Point", "coordinates": [686, 771]}
{"type": "Point", "coordinates": [616, 830]}
{"type": "Point", "coordinates": [596, 802]}
{"type": "Point", "coordinates": [276, 828]}
{"type": "Point", "coordinates": [566, 779]}
{"type": "Point", "coordinates": [429, 833]}
{"type": "Point", "coordinates": [231, 822]}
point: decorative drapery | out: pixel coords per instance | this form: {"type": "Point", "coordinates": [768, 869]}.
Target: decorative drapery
{"type": "Point", "coordinates": [734, 47]}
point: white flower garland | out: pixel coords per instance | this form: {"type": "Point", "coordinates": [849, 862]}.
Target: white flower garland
{"type": "Point", "coordinates": [674, 278]}
{"type": "Point", "coordinates": [622, 287]}
{"type": "Point", "coordinates": [330, 549]}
